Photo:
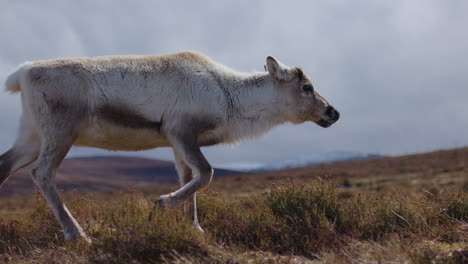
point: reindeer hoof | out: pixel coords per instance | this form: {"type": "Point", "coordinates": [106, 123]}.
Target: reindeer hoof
{"type": "Point", "coordinates": [166, 201]}
{"type": "Point", "coordinates": [81, 237]}
{"type": "Point", "coordinates": [86, 239]}
{"type": "Point", "coordinates": [198, 228]}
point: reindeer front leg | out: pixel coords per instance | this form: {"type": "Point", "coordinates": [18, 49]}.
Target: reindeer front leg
{"type": "Point", "coordinates": [185, 176]}
{"type": "Point", "coordinates": [188, 152]}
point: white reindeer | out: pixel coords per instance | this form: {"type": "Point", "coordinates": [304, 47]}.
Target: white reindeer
{"type": "Point", "coordinates": [183, 100]}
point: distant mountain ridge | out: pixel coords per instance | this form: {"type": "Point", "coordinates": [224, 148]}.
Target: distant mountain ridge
{"type": "Point", "coordinates": [102, 173]}
{"type": "Point", "coordinates": [120, 173]}
{"type": "Point", "coordinates": [303, 160]}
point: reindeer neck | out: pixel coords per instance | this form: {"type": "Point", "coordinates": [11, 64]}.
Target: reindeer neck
{"type": "Point", "coordinates": [257, 105]}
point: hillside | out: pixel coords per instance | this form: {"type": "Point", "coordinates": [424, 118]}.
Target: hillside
{"type": "Point", "coordinates": [102, 173]}
{"type": "Point", "coordinates": [409, 209]}
{"type": "Point", "coordinates": [445, 168]}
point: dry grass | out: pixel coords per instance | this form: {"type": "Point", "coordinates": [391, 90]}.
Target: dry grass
{"type": "Point", "coordinates": [290, 223]}
{"type": "Point", "coordinates": [382, 218]}
{"type": "Point", "coordinates": [430, 171]}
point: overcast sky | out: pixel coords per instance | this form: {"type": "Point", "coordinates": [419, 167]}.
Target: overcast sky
{"type": "Point", "coordinates": [397, 70]}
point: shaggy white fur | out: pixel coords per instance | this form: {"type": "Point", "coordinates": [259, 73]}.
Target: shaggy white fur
{"type": "Point", "coordinates": [183, 100]}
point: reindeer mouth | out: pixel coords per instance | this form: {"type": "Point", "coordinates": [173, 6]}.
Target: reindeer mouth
{"type": "Point", "coordinates": [324, 123]}
{"type": "Point", "coordinates": [331, 117]}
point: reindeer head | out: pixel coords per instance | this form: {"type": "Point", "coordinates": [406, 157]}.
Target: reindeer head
{"type": "Point", "coordinates": [304, 102]}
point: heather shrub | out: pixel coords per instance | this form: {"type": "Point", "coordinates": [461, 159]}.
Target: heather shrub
{"type": "Point", "coordinates": [288, 219]}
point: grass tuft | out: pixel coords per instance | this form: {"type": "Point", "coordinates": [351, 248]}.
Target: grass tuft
{"type": "Point", "coordinates": [315, 221]}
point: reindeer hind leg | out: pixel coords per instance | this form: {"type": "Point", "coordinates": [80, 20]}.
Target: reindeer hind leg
{"type": "Point", "coordinates": [56, 142]}
{"type": "Point", "coordinates": [25, 151]}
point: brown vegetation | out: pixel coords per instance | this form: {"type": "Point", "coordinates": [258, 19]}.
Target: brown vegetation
{"type": "Point", "coordinates": [375, 216]}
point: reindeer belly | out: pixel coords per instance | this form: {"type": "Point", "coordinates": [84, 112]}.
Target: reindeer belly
{"type": "Point", "coordinates": [105, 135]}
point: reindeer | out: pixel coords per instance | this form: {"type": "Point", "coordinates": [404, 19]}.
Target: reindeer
{"type": "Point", "coordinates": [183, 100]}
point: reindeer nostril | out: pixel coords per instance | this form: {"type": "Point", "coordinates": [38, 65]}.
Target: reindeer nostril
{"type": "Point", "coordinates": [332, 113]}
{"type": "Point", "coordinates": [329, 111]}
{"type": "Point", "coordinates": [337, 115]}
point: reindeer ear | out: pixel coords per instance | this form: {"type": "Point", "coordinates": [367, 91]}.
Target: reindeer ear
{"type": "Point", "coordinates": [278, 70]}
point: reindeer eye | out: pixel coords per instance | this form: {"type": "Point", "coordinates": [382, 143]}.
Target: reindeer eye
{"type": "Point", "coordinates": [307, 88]}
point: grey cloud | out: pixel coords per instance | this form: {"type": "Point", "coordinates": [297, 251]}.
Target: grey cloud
{"type": "Point", "coordinates": [395, 69]}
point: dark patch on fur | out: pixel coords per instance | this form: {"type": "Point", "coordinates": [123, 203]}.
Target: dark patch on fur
{"type": "Point", "coordinates": [6, 160]}
{"type": "Point", "coordinates": [200, 125]}
{"type": "Point", "coordinates": [56, 106]}
{"type": "Point", "coordinates": [50, 73]}
{"type": "Point", "coordinates": [38, 75]}
{"type": "Point", "coordinates": [126, 117]}
{"type": "Point", "coordinates": [208, 142]}
{"type": "Point", "coordinates": [227, 94]}
{"type": "Point", "coordinates": [194, 127]}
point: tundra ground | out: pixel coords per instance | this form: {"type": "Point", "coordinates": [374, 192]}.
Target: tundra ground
{"type": "Point", "coordinates": [410, 209]}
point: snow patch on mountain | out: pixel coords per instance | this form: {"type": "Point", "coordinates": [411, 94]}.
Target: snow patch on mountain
{"type": "Point", "coordinates": [298, 161]}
